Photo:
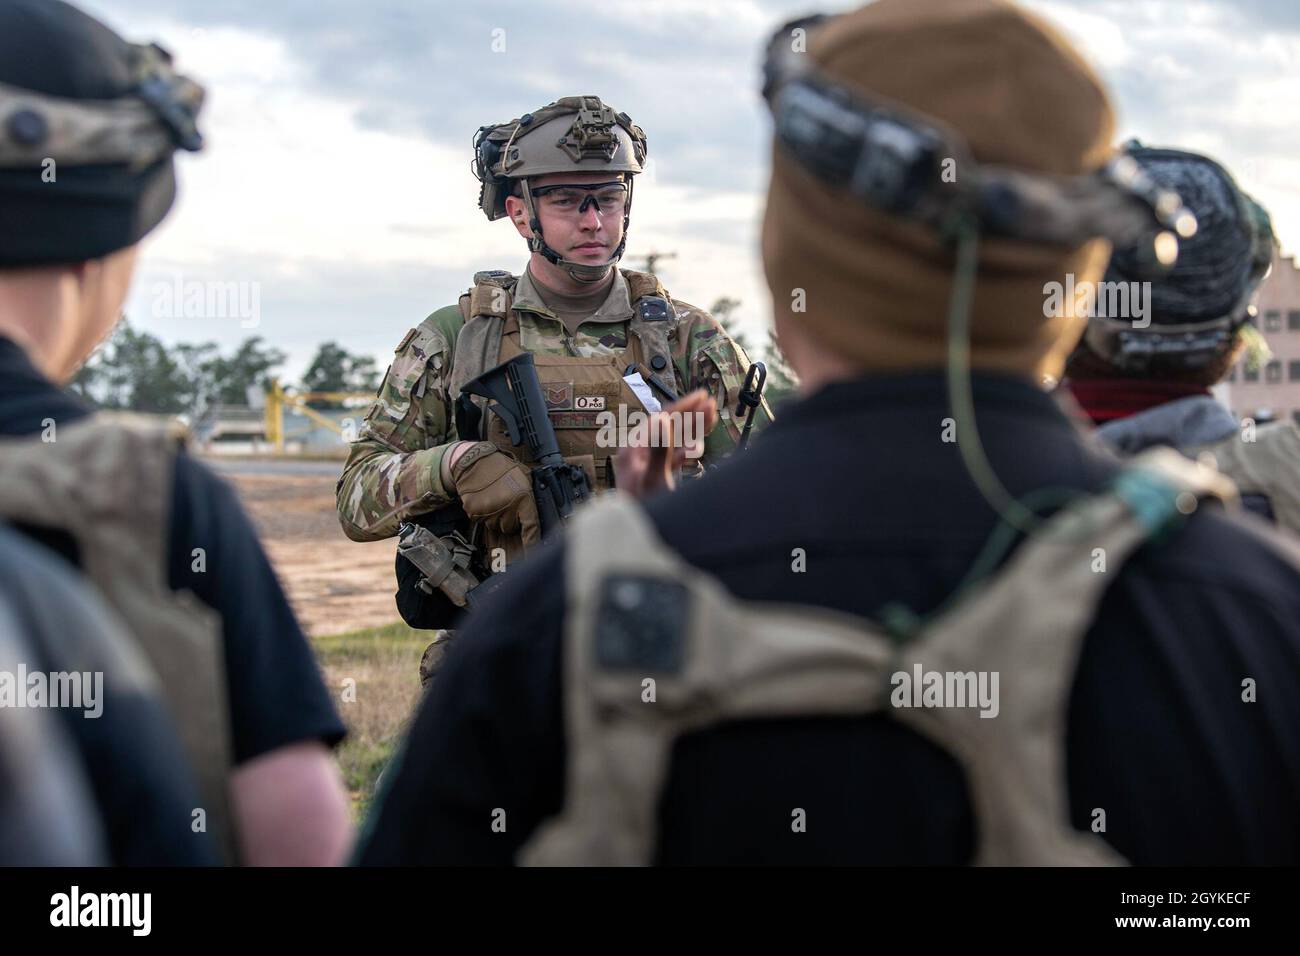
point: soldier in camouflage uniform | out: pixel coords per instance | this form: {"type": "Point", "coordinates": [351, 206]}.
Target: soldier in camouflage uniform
{"type": "Point", "coordinates": [608, 341]}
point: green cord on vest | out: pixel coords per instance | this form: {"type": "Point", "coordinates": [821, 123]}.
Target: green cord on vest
{"type": "Point", "coordinates": [961, 399]}
{"type": "Point", "coordinates": [1016, 516]}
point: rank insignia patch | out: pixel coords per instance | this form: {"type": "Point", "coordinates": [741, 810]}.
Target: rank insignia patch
{"type": "Point", "coordinates": [558, 395]}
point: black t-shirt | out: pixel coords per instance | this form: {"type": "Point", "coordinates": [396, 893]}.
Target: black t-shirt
{"type": "Point", "coordinates": [858, 476]}
{"type": "Point", "coordinates": [275, 690]}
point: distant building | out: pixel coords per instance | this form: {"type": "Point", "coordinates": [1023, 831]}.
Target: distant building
{"type": "Point", "coordinates": [241, 430]}
{"type": "Point", "coordinates": [1272, 391]}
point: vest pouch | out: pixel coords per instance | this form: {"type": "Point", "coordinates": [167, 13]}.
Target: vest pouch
{"type": "Point", "coordinates": [587, 463]}
{"type": "Point", "coordinates": [586, 401]}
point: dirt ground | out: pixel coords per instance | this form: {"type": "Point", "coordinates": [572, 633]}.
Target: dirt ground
{"type": "Point", "coordinates": [335, 585]}
{"type": "Point", "coordinates": [342, 592]}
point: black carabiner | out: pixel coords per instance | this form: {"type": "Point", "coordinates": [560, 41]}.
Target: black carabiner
{"type": "Point", "coordinates": [751, 396]}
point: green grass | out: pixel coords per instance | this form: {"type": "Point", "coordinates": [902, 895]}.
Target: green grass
{"type": "Point", "coordinates": [384, 663]}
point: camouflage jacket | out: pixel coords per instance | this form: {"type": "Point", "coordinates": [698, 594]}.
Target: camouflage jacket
{"type": "Point", "coordinates": [393, 471]}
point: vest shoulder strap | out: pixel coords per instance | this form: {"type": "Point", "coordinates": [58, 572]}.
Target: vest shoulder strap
{"type": "Point", "coordinates": [643, 284]}
{"type": "Point", "coordinates": [1268, 466]}
{"type": "Point", "coordinates": [478, 343]}
{"type": "Point", "coordinates": [492, 293]}
{"type": "Point", "coordinates": [654, 322]}
{"type": "Point", "coordinates": [486, 310]}
{"type": "Point", "coordinates": [171, 431]}
{"type": "Point", "coordinates": [679, 662]}
{"type": "Point", "coordinates": [1023, 630]}
{"type": "Point", "coordinates": [109, 471]}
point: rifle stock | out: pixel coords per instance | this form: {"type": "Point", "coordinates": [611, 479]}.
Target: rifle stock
{"type": "Point", "coordinates": [516, 394]}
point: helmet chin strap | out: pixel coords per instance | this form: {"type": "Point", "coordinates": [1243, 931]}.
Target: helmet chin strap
{"type": "Point", "coordinates": [580, 271]}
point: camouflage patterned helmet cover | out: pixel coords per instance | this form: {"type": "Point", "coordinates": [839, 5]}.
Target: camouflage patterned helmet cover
{"type": "Point", "coordinates": [572, 134]}
{"type": "Point", "coordinates": [137, 130]}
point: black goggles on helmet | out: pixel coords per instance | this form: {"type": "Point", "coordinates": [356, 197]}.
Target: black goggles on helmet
{"type": "Point", "coordinates": [911, 166]}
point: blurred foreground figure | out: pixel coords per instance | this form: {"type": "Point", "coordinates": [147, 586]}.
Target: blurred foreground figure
{"type": "Point", "coordinates": [91, 771]}
{"type": "Point", "coordinates": [1144, 367]}
{"type": "Point", "coordinates": [88, 126]}
{"type": "Point", "coordinates": [941, 628]}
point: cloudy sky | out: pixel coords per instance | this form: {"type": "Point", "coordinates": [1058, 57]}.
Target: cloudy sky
{"type": "Point", "coordinates": [336, 184]}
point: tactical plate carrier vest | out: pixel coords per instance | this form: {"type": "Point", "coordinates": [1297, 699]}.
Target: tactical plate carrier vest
{"type": "Point", "coordinates": [577, 389]}
{"type": "Point", "coordinates": [1269, 466]}
{"type": "Point", "coordinates": [637, 611]}
{"type": "Point", "coordinates": [106, 482]}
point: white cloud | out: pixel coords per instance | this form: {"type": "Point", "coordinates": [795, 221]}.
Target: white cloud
{"type": "Point", "coordinates": [339, 179]}
{"type": "Point", "coordinates": [1101, 39]}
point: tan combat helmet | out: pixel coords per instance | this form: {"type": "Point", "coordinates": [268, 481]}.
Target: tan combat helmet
{"type": "Point", "coordinates": [573, 134]}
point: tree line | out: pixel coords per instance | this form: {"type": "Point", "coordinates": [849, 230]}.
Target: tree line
{"type": "Point", "coordinates": [135, 371]}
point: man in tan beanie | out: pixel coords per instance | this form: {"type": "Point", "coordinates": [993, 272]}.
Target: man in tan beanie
{"type": "Point", "coordinates": [923, 641]}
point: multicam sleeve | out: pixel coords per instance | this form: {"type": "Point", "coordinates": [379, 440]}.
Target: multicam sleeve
{"type": "Point", "coordinates": [393, 468]}
{"type": "Point", "coordinates": [712, 360]}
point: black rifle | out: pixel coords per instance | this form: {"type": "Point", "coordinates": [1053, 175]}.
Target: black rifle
{"type": "Point", "coordinates": [441, 545]}
{"type": "Point", "coordinates": [517, 394]}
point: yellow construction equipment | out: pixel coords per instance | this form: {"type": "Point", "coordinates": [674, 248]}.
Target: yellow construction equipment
{"type": "Point", "coordinates": [277, 399]}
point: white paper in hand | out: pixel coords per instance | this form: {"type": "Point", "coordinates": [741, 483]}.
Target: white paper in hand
{"type": "Point", "coordinates": [643, 392]}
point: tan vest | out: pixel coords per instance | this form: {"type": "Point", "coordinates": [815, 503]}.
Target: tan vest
{"type": "Point", "coordinates": [490, 336]}
{"type": "Point", "coordinates": [1268, 466]}
{"type": "Point", "coordinates": [637, 611]}
{"type": "Point", "coordinates": [107, 482]}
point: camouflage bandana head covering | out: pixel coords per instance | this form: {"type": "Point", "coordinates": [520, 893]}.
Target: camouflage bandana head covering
{"type": "Point", "coordinates": [88, 127]}
{"type": "Point", "coordinates": [1215, 271]}
{"type": "Point", "coordinates": [1196, 317]}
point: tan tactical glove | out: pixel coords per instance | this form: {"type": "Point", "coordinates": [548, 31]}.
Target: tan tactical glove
{"type": "Point", "coordinates": [497, 491]}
